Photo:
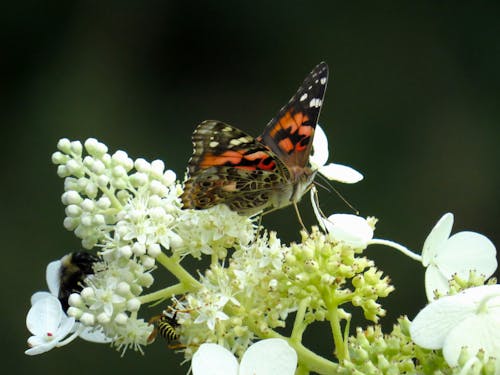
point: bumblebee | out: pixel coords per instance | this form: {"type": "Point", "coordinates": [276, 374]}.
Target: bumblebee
{"type": "Point", "coordinates": [164, 325]}
{"type": "Point", "coordinates": [74, 268]}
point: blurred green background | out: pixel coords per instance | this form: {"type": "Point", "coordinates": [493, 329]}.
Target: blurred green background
{"type": "Point", "coordinates": [412, 102]}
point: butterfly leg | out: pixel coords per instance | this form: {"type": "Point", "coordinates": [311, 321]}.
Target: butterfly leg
{"type": "Point", "coordinates": [300, 217]}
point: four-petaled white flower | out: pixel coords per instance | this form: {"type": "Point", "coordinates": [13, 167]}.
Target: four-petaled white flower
{"type": "Point", "coordinates": [332, 171]}
{"type": "Point", "coordinates": [48, 324]}
{"type": "Point", "coordinates": [468, 319]}
{"type": "Point", "coordinates": [445, 256]}
{"type": "Point", "coordinates": [266, 357]}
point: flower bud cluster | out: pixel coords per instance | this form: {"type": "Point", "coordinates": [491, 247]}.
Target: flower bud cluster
{"type": "Point", "coordinates": [372, 352]}
{"type": "Point", "coordinates": [321, 269]}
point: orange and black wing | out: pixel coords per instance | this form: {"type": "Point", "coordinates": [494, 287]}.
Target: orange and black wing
{"type": "Point", "coordinates": [289, 135]}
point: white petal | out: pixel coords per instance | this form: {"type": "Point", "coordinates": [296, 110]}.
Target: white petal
{"type": "Point", "coordinates": [269, 357]}
{"type": "Point", "coordinates": [213, 359]}
{"type": "Point", "coordinates": [433, 324]}
{"type": "Point", "coordinates": [319, 154]}
{"type": "Point", "coordinates": [436, 238]}
{"type": "Point", "coordinates": [93, 335]}
{"type": "Point", "coordinates": [435, 280]}
{"type": "Point", "coordinates": [44, 316]}
{"type": "Point", "coordinates": [351, 229]}
{"type": "Point", "coordinates": [479, 331]}
{"type": "Point", "coordinates": [38, 346]}
{"type": "Point", "coordinates": [465, 251]}
{"type": "Point", "coordinates": [52, 276]}
{"type": "Point", "coordinates": [38, 296]}
{"type": "Point", "coordinates": [341, 173]}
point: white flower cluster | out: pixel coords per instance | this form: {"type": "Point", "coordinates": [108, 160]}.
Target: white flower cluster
{"type": "Point", "coordinates": [130, 210]}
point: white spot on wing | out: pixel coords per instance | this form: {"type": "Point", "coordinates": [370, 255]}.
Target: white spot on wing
{"type": "Point", "coordinates": [323, 80]}
{"type": "Point", "coordinates": [213, 144]}
{"type": "Point", "coordinates": [303, 97]}
{"type": "Point", "coordinates": [315, 103]}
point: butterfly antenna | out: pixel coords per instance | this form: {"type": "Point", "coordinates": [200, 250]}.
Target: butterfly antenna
{"type": "Point", "coordinates": [330, 187]}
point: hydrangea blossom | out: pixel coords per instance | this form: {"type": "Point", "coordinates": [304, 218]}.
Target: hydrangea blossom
{"type": "Point", "coordinates": [270, 356]}
{"type": "Point", "coordinates": [459, 254]}
{"type": "Point", "coordinates": [469, 319]}
{"type": "Point", "coordinates": [47, 323]}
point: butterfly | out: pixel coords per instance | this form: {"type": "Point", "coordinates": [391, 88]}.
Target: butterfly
{"type": "Point", "coordinates": [251, 175]}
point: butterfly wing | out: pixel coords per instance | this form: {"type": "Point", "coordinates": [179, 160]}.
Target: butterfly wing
{"type": "Point", "coordinates": [289, 135]}
{"type": "Point", "coordinates": [229, 166]}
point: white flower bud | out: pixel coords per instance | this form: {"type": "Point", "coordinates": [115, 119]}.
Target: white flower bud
{"type": "Point", "coordinates": [91, 190]}
{"type": "Point", "coordinates": [59, 158]}
{"type": "Point", "coordinates": [64, 145]}
{"type": "Point", "coordinates": [157, 167]}
{"type": "Point", "coordinates": [158, 188]}
{"type": "Point", "coordinates": [63, 171]}
{"type": "Point", "coordinates": [139, 249]}
{"type": "Point", "coordinates": [176, 241]}
{"type": "Point", "coordinates": [125, 251]}
{"type": "Point", "coordinates": [141, 165]}
{"type": "Point", "coordinates": [103, 318]}
{"type": "Point", "coordinates": [98, 220]}
{"type": "Point", "coordinates": [70, 223]}
{"type": "Point", "coordinates": [88, 161]}
{"type": "Point", "coordinates": [169, 177]}
{"type": "Point", "coordinates": [119, 171]}
{"type": "Point", "coordinates": [98, 167]}
{"type": "Point", "coordinates": [102, 180]}
{"type": "Point", "coordinates": [95, 148]}
{"type": "Point", "coordinates": [73, 210]}
{"type": "Point", "coordinates": [146, 280]}
{"type": "Point", "coordinates": [74, 312]}
{"type": "Point", "coordinates": [74, 167]}
{"type": "Point", "coordinates": [76, 147]}
{"type": "Point", "coordinates": [103, 203]}
{"type": "Point", "coordinates": [87, 205]}
{"type": "Point", "coordinates": [121, 157]}
{"type": "Point", "coordinates": [133, 304]}
{"type": "Point", "coordinates": [75, 300]}
{"type": "Point", "coordinates": [87, 319]}
{"type": "Point", "coordinates": [71, 197]}
{"type": "Point", "coordinates": [139, 179]}
{"type": "Point", "coordinates": [123, 288]}
{"type": "Point", "coordinates": [123, 195]}
{"type": "Point", "coordinates": [147, 261]}
{"type": "Point", "coordinates": [121, 319]}
{"type": "Point", "coordinates": [154, 250]}
{"type": "Point", "coordinates": [87, 293]}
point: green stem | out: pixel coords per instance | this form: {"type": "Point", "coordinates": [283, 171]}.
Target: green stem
{"type": "Point", "coordinates": [299, 326]}
{"type": "Point", "coordinates": [398, 247]}
{"type": "Point", "coordinates": [340, 348]}
{"type": "Point", "coordinates": [184, 277]}
{"type": "Point", "coordinates": [164, 293]}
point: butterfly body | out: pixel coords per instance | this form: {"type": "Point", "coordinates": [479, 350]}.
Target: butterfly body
{"type": "Point", "coordinates": [250, 174]}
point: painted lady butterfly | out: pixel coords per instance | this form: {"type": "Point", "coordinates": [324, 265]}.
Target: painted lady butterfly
{"type": "Point", "coordinates": [249, 174]}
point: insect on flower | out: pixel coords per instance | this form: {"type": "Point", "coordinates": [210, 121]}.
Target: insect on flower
{"type": "Point", "coordinates": [252, 175]}
{"type": "Point", "coordinates": [165, 325]}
